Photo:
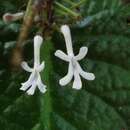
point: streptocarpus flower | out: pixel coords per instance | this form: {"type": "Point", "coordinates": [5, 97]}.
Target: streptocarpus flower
{"type": "Point", "coordinates": [35, 78]}
{"type": "Point", "coordinates": [74, 68]}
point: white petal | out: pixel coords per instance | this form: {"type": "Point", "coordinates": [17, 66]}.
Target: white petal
{"type": "Point", "coordinates": [60, 54]}
{"type": "Point", "coordinates": [26, 67]}
{"type": "Point", "coordinates": [82, 53]}
{"type": "Point", "coordinates": [77, 81]}
{"type": "Point", "coordinates": [31, 90]}
{"type": "Point", "coordinates": [25, 87]}
{"type": "Point", "coordinates": [41, 86]}
{"type": "Point", "coordinates": [41, 67]}
{"type": "Point", "coordinates": [86, 75]}
{"type": "Point", "coordinates": [28, 83]}
{"type": "Point", "coordinates": [65, 80]}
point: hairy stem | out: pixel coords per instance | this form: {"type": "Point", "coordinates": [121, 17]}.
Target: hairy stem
{"type": "Point", "coordinates": [27, 24]}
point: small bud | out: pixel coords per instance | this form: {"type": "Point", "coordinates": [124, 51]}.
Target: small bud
{"type": "Point", "coordinates": [8, 17]}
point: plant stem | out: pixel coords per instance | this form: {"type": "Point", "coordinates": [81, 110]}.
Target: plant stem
{"type": "Point", "coordinates": [69, 2]}
{"type": "Point", "coordinates": [27, 23]}
{"type": "Point", "coordinates": [78, 4]}
{"type": "Point", "coordinates": [46, 99]}
{"type": "Point", "coordinates": [61, 12]}
{"type": "Point", "coordinates": [67, 9]}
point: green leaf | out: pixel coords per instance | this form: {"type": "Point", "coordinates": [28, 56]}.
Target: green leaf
{"type": "Point", "coordinates": [102, 104]}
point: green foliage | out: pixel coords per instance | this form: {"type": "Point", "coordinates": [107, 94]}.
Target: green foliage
{"type": "Point", "coordinates": [103, 104]}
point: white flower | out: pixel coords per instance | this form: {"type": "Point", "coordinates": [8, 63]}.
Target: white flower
{"type": "Point", "coordinates": [74, 68]}
{"type": "Point", "coordinates": [35, 78]}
